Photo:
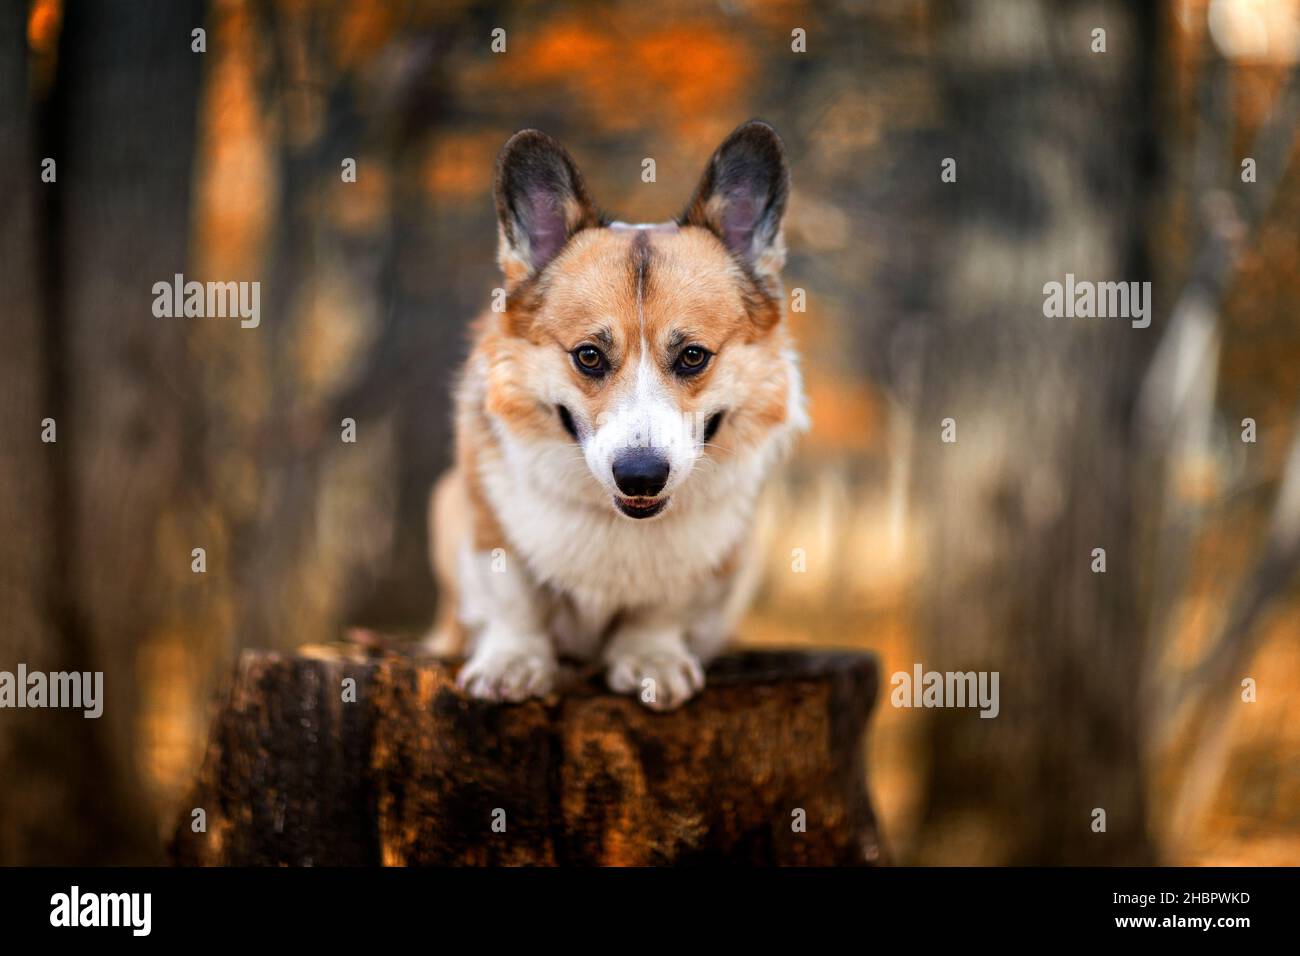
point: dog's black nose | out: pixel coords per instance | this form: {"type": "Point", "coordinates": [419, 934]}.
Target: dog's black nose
{"type": "Point", "coordinates": [640, 472]}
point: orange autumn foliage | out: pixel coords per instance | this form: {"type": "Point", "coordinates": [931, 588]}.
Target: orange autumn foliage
{"type": "Point", "coordinates": [623, 73]}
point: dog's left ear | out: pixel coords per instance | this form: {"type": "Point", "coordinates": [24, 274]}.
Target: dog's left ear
{"type": "Point", "coordinates": [541, 202]}
{"type": "Point", "coordinates": [741, 197]}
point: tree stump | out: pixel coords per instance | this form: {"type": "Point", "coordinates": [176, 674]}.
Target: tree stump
{"type": "Point", "coordinates": [767, 766]}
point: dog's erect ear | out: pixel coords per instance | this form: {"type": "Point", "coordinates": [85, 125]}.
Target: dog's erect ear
{"type": "Point", "coordinates": [541, 202]}
{"type": "Point", "coordinates": [741, 197]}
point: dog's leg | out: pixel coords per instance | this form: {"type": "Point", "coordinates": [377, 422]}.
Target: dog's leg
{"type": "Point", "coordinates": [513, 657]}
{"type": "Point", "coordinates": [721, 604]}
{"type": "Point", "coordinates": [648, 657]}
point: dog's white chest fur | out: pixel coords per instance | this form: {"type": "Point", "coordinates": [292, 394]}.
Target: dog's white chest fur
{"type": "Point", "coordinates": [600, 563]}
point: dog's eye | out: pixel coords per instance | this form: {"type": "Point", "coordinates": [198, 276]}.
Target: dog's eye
{"type": "Point", "coordinates": [692, 360]}
{"type": "Point", "coordinates": [589, 360]}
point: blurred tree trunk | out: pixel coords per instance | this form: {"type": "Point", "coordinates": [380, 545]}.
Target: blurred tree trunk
{"type": "Point", "coordinates": [425, 326]}
{"type": "Point", "coordinates": [32, 790]}
{"type": "Point", "coordinates": [396, 389]}
{"type": "Point", "coordinates": [1054, 169]}
{"type": "Point", "coordinates": [82, 515]}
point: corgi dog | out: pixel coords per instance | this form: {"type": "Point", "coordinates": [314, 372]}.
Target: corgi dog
{"type": "Point", "coordinates": [614, 425]}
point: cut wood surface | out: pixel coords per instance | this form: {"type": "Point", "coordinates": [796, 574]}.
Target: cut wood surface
{"type": "Point", "coordinates": [767, 766]}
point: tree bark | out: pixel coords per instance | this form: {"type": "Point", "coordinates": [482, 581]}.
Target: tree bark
{"type": "Point", "coordinates": [766, 767]}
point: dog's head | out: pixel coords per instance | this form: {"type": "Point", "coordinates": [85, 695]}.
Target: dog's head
{"type": "Point", "coordinates": [650, 347]}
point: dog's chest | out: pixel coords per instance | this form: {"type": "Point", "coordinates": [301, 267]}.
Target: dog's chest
{"type": "Point", "coordinates": [594, 565]}
{"type": "Point", "coordinates": [606, 563]}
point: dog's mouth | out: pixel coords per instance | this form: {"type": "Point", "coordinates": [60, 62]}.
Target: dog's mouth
{"type": "Point", "coordinates": [640, 507]}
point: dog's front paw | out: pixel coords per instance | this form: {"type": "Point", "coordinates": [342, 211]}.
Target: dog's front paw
{"type": "Point", "coordinates": [510, 675]}
{"type": "Point", "coordinates": [660, 679]}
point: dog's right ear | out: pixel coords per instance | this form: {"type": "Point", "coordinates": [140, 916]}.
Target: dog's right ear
{"type": "Point", "coordinates": [541, 202]}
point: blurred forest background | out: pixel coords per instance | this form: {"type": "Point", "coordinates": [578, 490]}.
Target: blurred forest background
{"type": "Point", "coordinates": [1119, 690]}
